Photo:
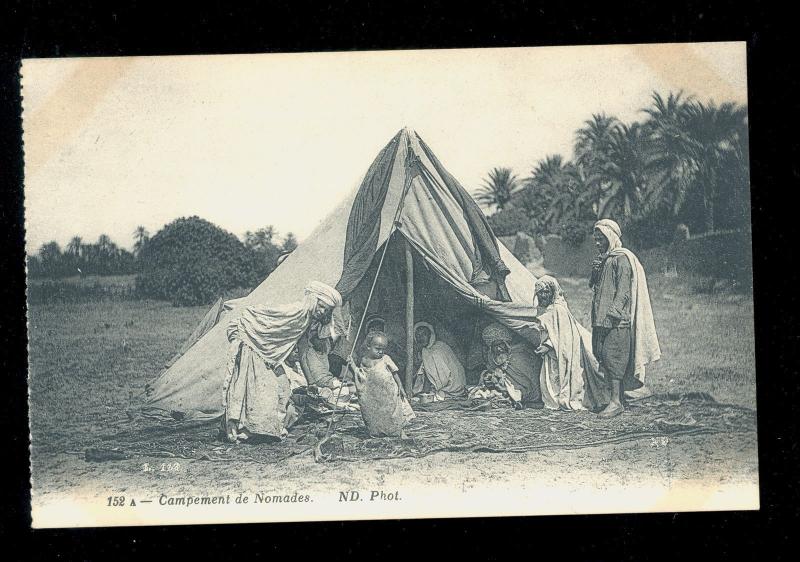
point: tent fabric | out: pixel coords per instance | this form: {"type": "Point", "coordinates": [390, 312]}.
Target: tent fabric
{"type": "Point", "coordinates": [438, 219]}
{"type": "Point", "coordinates": [432, 197]}
{"type": "Point", "coordinates": [364, 223]}
{"type": "Point", "coordinates": [487, 244]}
{"type": "Point", "coordinates": [209, 321]}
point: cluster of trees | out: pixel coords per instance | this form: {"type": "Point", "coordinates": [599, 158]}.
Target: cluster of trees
{"type": "Point", "coordinates": [262, 249]}
{"type": "Point", "coordinates": [103, 257]}
{"type": "Point", "coordinates": [686, 162]}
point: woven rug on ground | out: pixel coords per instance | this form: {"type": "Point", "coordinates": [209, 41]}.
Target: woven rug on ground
{"type": "Point", "coordinates": [446, 426]}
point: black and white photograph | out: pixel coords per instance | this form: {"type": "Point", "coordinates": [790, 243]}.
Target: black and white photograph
{"type": "Point", "coordinates": [389, 284]}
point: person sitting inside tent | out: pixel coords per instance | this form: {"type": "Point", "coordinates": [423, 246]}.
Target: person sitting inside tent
{"type": "Point", "coordinates": [384, 405]}
{"type": "Point", "coordinates": [258, 383]}
{"type": "Point", "coordinates": [440, 371]}
{"type": "Point", "coordinates": [568, 378]}
{"type": "Point", "coordinates": [511, 368]}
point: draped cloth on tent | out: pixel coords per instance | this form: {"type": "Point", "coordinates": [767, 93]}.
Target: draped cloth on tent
{"type": "Point", "coordinates": [364, 224]}
{"type": "Point", "coordinates": [436, 210]}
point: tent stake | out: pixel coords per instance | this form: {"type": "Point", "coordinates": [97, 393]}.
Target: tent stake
{"type": "Point", "coordinates": [409, 318]}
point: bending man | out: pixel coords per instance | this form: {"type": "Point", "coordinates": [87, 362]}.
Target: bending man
{"type": "Point", "coordinates": [258, 384]}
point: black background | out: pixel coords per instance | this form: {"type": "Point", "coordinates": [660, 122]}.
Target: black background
{"type": "Point", "coordinates": [50, 29]}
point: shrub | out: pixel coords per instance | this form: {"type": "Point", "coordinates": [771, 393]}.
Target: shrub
{"type": "Point", "coordinates": [509, 221]}
{"type": "Point", "coordinates": [574, 232]}
{"type": "Point", "coordinates": [192, 261]}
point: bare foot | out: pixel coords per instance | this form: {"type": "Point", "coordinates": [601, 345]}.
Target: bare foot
{"type": "Point", "coordinates": [230, 431]}
{"type": "Point", "coordinates": [612, 410]}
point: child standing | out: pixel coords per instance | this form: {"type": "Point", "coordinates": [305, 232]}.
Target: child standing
{"type": "Point", "coordinates": [384, 404]}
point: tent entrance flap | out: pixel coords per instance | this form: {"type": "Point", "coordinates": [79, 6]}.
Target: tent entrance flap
{"type": "Point", "coordinates": [457, 322]}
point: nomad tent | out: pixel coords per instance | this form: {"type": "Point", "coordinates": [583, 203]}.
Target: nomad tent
{"type": "Point", "coordinates": [436, 260]}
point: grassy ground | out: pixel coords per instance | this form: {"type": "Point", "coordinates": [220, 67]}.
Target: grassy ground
{"type": "Point", "coordinates": [125, 281]}
{"type": "Point", "coordinates": [707, 340]}
{"type": "Point", "coordinates": [89, 364]}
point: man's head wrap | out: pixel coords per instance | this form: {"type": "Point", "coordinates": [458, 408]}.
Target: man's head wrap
{"type": "Point", "coordinates": [611, 230]}
{"type": "Point", "coordinates": [495, 332]}
{"type": "Point", "coordinates": [324, 293]}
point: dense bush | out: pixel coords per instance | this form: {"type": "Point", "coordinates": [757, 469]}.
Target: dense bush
{"type": "Point", "coordinates": [574, 231]}
{"type": "Point", "coordinates": [509, 221]}
{"type": "Point", "coordinates": [192, 261]}
{"type": "Point", "coordinates": [717, 256]}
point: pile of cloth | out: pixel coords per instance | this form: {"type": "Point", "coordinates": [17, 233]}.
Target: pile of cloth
{"type": "Point", "coordinates": [323, 399]}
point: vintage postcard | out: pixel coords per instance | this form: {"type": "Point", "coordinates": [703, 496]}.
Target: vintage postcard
{"type": "Point", "coordinates": [402, 284]}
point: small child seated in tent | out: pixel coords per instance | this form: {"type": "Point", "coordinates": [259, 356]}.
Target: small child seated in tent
{"type": "Point", "coordinates": [384, 405]}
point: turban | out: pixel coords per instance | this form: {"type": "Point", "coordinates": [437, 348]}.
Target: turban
{"type": "Point", "coordinates": [495, 332]}
{"type": "Point", "coordinates": [610, 229]}
{"type": "Point", "coordinates": [324, 293]}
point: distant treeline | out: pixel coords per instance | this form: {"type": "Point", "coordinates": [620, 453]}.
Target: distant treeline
{"type": "Point", "coordinates": [104, 257]}
{"type": "Point", "coordinates": [686, 162]}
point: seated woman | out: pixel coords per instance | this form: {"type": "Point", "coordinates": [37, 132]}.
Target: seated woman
{"type": "Point", "coordinates": [258, 383]}
{"type": "Point", "coordinates": [439, 370]}
{"type": "Point", "coordinates": [569, 378]}
{"type": "Point", "coordinates": [512, 367]}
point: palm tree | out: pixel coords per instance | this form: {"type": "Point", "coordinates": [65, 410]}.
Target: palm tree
{"type": "Point", "coordinates": [666, 130]}
{"type": "Point", "coordinates": [592, 141]}
{"type": "Point", "coordinates": [261, 238]}
{"type": "Point", "coordinates": [289, 242]}
{"type": "Point", "coordinates": [557, 191]}
{"type": "Point", "coordinates": [497, 189]}
{"type": "Point", "coordinates": [671, 110]}
{"type": "Point", "coordinates": [556, 182]}
{"type": "Point", "coordinates": [716, 138]}
{"type": "Point", "coordinates": [105, 244]}
{"type": "Point", "coordinates": [632, 175]}
{"type": "Point", "coordinates": [141, 236]}
{"type": "Point", "coordinates": [50, 253]}
{"type": "Point", "coordinates": [75, 245]}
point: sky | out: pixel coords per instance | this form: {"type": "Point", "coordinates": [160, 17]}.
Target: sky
{"type": "Point", "coordinates": [247, 141]}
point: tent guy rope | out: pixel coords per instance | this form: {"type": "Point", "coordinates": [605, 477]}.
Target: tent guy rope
{"type": "Point", "coordinates": [411, 159]}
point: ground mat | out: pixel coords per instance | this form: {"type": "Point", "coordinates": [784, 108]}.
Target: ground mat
{"type": "Point", "coordinates": [456, 426]}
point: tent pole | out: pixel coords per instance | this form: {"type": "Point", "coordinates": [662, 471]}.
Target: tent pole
{"type": "Point", "coordinates": [409, 318]}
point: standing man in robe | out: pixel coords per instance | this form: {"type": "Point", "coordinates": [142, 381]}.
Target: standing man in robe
{"type": "Point", "coordinates": [623, 331]}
